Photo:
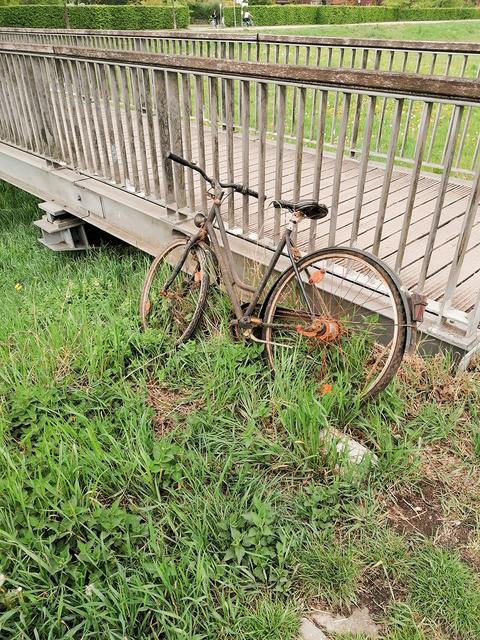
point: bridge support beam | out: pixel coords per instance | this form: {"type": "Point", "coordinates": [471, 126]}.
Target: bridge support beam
{"type": "Point", "coordinates": [137, 221]}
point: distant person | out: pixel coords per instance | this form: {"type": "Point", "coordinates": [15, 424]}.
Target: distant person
{"type": "Point", "coordinates": [214, 20]}
{"type": "Point", "coordinates": [247, 19]}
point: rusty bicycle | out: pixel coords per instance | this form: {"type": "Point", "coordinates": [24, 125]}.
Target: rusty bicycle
{"type": "Point", "coordinates": [341, 312]}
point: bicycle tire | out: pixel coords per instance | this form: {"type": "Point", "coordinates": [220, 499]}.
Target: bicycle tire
{"type": "Point", "coordinates": [401, 314]}
{"type": "Point", "coordinates": [198, 256]}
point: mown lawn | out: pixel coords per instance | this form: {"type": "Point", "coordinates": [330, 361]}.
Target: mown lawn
{"type": "Point", "coordinates": [451, 31]}
{"type": "Point", "coordinates": [152, 493]}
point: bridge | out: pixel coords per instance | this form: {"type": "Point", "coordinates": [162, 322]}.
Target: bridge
{"type": "Point", "coordinates": [386, 133]}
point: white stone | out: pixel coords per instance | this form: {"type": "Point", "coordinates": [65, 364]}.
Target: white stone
{"type": "Point", "coordinates": [355, 451]}
{"type": "Point", "coordinates": [308, 631]}
{"type": "Point", "coordinates": [359, 622]}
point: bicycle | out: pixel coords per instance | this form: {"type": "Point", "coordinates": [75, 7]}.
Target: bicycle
{"type": "Point", "coordinates": [341, 312]}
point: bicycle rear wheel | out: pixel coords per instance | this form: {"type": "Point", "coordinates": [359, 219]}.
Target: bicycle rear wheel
{"type": "Point", "coordinates": [176, 309]}
{"type": "Point", "coordinates": [356, 338]}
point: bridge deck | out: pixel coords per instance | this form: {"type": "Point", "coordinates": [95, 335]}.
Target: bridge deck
{"type": "Point", "coordinates": [453, 210]}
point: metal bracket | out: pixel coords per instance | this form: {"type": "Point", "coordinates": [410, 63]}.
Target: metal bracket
{"type": "Point", "coordinates": [60, 230]}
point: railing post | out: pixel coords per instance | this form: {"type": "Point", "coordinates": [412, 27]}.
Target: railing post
{"type": "Point", "coordinates": [462, 244]}
{"type": "Point", "coordinates": [245, 116]}
{"type": "Point", "coordinates": [280, 143]}
{"type": "Point", "coordinates": [457, 118]}
{"type": "Point", "coordinates": [199, 113]}
{"type": "Point", "coordinates": [317, 172]}
{"type": "Point", "coordinates": [229, 109]}
{"type": "Point", "coordinates": [419, 149]}
{"type": "Point", "coordinates": [164, 136]}
{"type": "Point", "coordinates": [174, 118]}
{"type": "Point", "coordinates": [382, 206]}
{"type": "Point", "coordinates": [150, 108]}
{"type": "Point", "coordinates": [124, 85]}
{"type": "Point", "coordinates": [138, 95]}
{"type": "Point", "coordinates": [263, 106]}
{"type": "Point", "coordinates": [338, 168]}
{"type": "Point", "coordinates": [112, 144]}
{"type": "Point", "coordinates": [358, 106]}
{"type": "Point", "coordinates": [362, 172]}
{"type": "Point", "coordinates": [187, 136]}
{"type": "Point", "coordinates": [214, 108]}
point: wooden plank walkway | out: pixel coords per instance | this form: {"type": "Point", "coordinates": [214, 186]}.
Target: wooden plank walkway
{"type": "Point", "coordinates": [454, 207]}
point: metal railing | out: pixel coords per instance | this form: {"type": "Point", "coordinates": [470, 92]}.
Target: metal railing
{"type": "Point", "coordinates": [456, 59]}
{"type": "Point", "coordinates": [116, 115]}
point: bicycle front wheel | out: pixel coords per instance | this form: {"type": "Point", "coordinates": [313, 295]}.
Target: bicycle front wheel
{"type": "Point", "coordinates": [174, 307]}
{"type": "Point", "coordinates": [346, 324]}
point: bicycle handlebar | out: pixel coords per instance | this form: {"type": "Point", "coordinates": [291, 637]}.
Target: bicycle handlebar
{"type": "Point", "coordinates": [239, 188]}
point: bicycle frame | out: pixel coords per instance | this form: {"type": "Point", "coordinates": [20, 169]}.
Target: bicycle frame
{"type": "Point", "coordinates": [228, 272]}
{"type": "Point", "coordinates": [306, 272]}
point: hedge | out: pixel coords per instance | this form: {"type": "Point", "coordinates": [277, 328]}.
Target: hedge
{"type": "Point", "coordinates": [94, 17]}
{"type": "Point", "coordinates": [32, 16]}
{"type": "Point", "coordinates": [313, 14]}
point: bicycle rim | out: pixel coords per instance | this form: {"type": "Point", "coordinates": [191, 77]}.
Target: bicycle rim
{"type": "Point", "coordinates": [175, 310]}
{"type": "Point", "coordinates": [355, 340]}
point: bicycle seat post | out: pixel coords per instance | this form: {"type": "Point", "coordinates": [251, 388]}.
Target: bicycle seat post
{"type": "Point", "coordinates": [294, 220]}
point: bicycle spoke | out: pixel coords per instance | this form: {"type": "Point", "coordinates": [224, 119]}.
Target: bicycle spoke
{"type": "Point", "coordinates": [172, 298]}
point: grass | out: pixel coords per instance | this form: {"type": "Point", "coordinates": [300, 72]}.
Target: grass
{"type": "Point", "coordinates": [445, 589]}
{"type": "Point", "coordinates": [153, 493]}
{"type": "Point", "coordinates": [450, 31]}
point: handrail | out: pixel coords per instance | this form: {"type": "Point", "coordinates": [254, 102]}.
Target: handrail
{"type": "Point", "coordinates": [443, 87]}
{"type": "Point", "coordinates": [407, 45]}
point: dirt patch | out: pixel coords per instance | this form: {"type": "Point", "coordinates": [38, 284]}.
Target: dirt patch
{"type": "Point", "coordinates": [444, 503]}
{"type": "Point", "coordinates": [449, 471]}
{"type": "Point", "coordinates": [170, 406]}
{"type": "Point", "coordinates": [443, 506]}
{"type": "Point", "coordinates": [471, 557]}
{"type": "Point", "coordinates": [456, 535]}
{"type": "Point", "coordinates": [377, 592]}
{"type": "Point", "coordinates": [417, 511]}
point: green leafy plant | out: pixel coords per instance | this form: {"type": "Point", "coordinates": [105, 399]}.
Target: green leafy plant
{"type": "Point", "coordinates": [252, 540]}
{"type": "Point", "coordinates": [166, 463]}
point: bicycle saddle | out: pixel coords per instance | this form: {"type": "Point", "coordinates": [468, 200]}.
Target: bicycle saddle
{"type": "Point", "coordinates": [309, 208]}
